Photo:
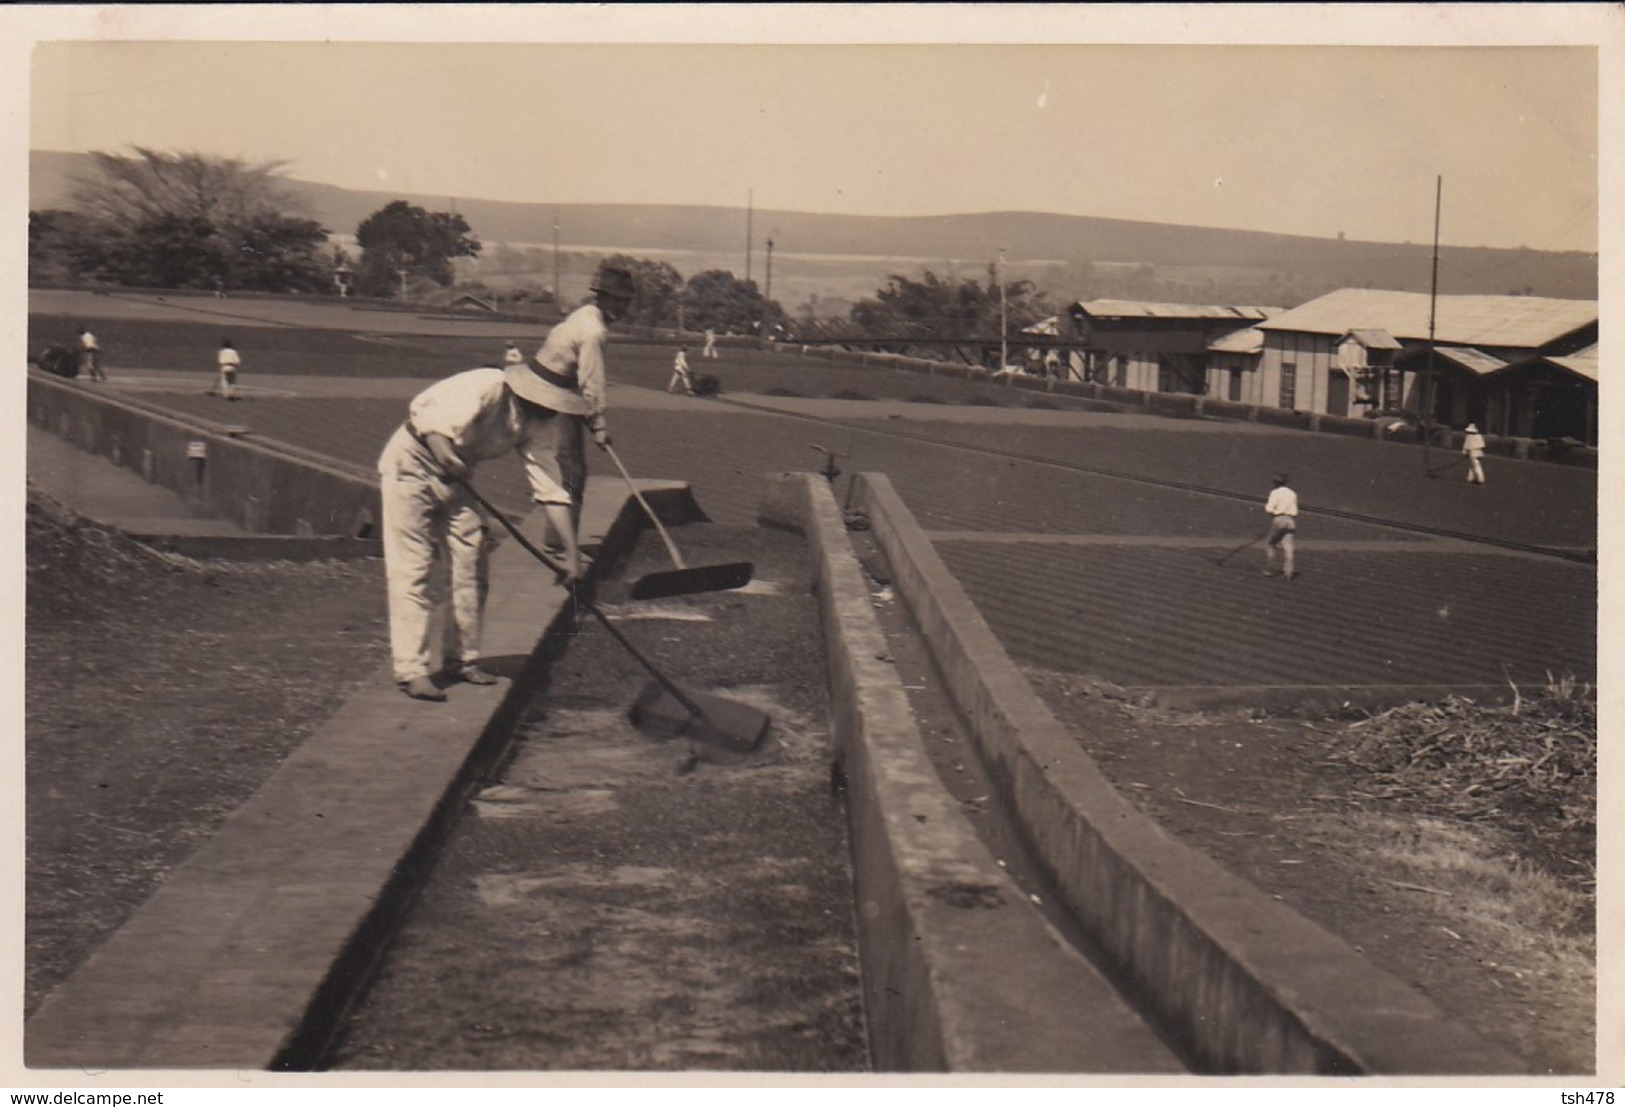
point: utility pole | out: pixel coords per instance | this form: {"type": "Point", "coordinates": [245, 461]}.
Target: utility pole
{"type": "Point", "coordinates": [750, 205]}
{"type": "Point", "coordinates": [1432, 306]}
{"type": "Point", "coordinates": [558, 299]}
{"type": "Point", "coordinates": [1004, 314]}
{"type": "Point", "coordinates": [768, 295]}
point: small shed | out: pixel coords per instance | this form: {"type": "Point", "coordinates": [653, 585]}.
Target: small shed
{"type": "Point", "coordinates": [1366, 357]}
{"type": "Point", "coordinates": [1367, 348]}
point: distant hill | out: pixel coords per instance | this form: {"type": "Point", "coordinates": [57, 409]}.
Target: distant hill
{"type": "Point", "coordinates": [1069, 256]}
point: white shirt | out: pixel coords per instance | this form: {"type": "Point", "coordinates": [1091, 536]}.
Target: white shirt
{"type": "Point", "coordinates": [680, 363]}
{"type": "Point", "coordinates": [575, 348]}
{"type": "Point", "coordinates": [229, 358]}
{"type": "Point", "coordinates": [1282, 501]}
{"type": "Point", "coordinates": [88, 341]}
{"type": "Point", "coordinates": [475, 410]}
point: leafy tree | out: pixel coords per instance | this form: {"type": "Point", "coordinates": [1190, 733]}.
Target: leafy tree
{"type": "Point", "coordinates": [659, 290]}
{"type": "Point", "coordinates": [283, 252]}
{"type": "Point", "coordinates": [719, 300]}
{"type": "Point", "coordinates": [170, 251]}
{"type": "Point", "coordinates": [190, 220]}
{"type": "Point", "coordinates": [63, 246]}
{"type": "Point", "coordinates": [404, 236]}
{"type": "Point", "coordinates": [932, 307]}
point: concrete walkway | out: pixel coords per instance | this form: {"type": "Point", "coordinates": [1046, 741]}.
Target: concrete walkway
{"type": "Point", "coordinates": [98, 489]}
{"type": "Point", "coordinates": [112, 496]}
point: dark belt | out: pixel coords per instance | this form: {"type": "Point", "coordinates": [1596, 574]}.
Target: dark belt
{"type": "Point", "coordinates": [557, 380]}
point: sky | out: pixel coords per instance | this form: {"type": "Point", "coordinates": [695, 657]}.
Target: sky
{"type": "Point", "coordinates": [1298, 139]}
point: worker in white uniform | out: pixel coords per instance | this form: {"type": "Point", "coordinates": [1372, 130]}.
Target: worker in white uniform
{"type": "Point", "coordinates": [90, 356]}
{"type": "Point", "coordinates": [228, 361]}
{"type": "Point", "coordinates": [1282, 508]}
{"type": "Point", "coordinates": [1472, 446]}
{"type": "Point", "coordinates": [537, 410]}
{"type": "Point", "coordinates": [681, 377]}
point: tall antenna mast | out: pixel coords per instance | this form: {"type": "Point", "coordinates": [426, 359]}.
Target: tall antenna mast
{"type": "Point", "coordinates": [1433, 295]}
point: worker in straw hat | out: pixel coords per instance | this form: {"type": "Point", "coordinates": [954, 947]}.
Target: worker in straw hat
{"type": "Point", "coordinates": [1472, 445]}
{"type": "Point", "coordinates": [537, 409]}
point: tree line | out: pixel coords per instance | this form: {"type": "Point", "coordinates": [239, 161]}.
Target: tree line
{"type": "Point", "coordinates": [185, 220]}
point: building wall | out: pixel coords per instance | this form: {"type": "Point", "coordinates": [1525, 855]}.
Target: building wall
{"type": "Point", "coordinates": [1499, 404]}
{"type": "Point", "coordinates": [1242, 370]}
{"type": "Point", "coordinates": [1124, 368]}
{"type": "Point", "coordinates": [1312, 355]}
{"type": "Point", "coordinates": [1129, 353]}
{"type": "Point", "coordinates": [1319, 374]}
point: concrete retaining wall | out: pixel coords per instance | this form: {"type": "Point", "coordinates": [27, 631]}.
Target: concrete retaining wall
{"type": "Point", "coordinates": [1281, 417]}
{"type": "Point", "coordinates": [1246, 983]}
{"type": "Point", "coordinates": [960, 972]}
{"type": "Point", "coordinates": [1173, 403]}
{"type": "Point", "coordinates": [265, 490]}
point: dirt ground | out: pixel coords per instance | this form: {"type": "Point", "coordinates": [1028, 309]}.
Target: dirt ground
{"type": "Point", "coordinates": [1476, 916]}
{"type": "Point", "coordinates": [161, 692]}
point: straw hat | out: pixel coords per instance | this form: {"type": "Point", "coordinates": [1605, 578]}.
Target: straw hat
{"type": "Point", "coordinates": [614, 282]}
{"type": "Point", "coordinates": [528, 385]}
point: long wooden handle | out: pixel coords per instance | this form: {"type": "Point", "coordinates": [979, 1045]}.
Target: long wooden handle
{"type": "Point", "coordinates": [580, 598]}
{"type": "Point", "coordinates": [671, 547]}
{"type": "Point", "coordinates": [535, 551]}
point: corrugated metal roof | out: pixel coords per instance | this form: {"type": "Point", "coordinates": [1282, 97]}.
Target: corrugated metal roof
{"type": "Point", "coordinates": [1139, 309]}
{"type": "Point", "coordinates": [1517, 321]}
{"type": "Point", "coordinates": [1374, 338]}
{"type": "Point", "coordinates": [1583, 363]}
{"type": "Point", "coordinates": [1248, 340]}
{"type": "Point", "coordinates": [1468, 358]}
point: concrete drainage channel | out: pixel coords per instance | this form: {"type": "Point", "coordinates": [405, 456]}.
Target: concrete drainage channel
{"type": "Point", "coordinates": [614, 899]}
{"type": "Point", "coordinates": [1237, 982]}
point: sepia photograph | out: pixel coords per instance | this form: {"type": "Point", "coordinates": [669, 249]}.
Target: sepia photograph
{"type": "Point", "coordinates": [663, 546]}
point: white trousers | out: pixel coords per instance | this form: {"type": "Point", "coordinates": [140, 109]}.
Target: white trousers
{"type": "Point", "coordinates": [422, 514]}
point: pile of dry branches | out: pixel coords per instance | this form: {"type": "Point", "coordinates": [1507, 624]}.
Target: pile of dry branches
{"type": "Point", "coordinates": [1530, 767]}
